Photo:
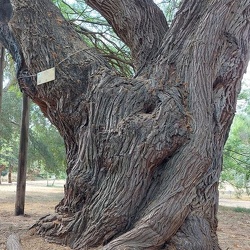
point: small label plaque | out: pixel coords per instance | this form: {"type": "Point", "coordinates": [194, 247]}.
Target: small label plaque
{"type": "Point", "coordinates": [46, 76]}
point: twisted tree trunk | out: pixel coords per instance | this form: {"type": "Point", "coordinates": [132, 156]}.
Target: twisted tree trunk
{"type": "Point", "coordinates": [144, 154]}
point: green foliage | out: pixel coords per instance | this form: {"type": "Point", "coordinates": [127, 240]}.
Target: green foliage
{"type": "Point", "coordinates": [46, 151]}
{"type": "Point", "coordinates": [236, 152]}
{"type": "Point", "coordinates": [10, 126]}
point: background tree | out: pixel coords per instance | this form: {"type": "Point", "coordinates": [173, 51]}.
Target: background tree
{"type": "Point", "coordinates": [46, 148]}
{"type": "Point", "coordinates": [236, 164]}
{"type": "Point", "coordinates": [144, 153]}
{"type": "Point", "coordinates": [10, 126]}
{"type": "Point", "coordinates": [46, 151]}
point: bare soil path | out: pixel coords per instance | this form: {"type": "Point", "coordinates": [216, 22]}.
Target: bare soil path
{"type": "Point", "coordinates": [233, 230]}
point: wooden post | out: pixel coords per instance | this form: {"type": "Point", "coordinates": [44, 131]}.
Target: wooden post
{"type": "Point", "coordinates": [22, 161]}
{"type": "Point", "coordinates": [9, 174]}
{"type": "Point", "coordinates": [1, 74]}
{"type": "Point", "coordinates": [1, 93]}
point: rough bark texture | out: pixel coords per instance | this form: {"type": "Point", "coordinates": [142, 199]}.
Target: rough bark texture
{"type": "Point", "coordinates": [144, 154]}
{"type": "Point", "coordinates": [13, 242]}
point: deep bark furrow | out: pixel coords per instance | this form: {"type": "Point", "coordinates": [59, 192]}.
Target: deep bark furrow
{"type": "Point", "coordinates": [107, 205]}
{"type": "Point", "coordinates": [194, 234]}
{"type": "Point", "coordinates": [156, 212]}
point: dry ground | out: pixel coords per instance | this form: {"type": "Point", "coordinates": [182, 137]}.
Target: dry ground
{"type": "Point", "coordinates": [233, 231]}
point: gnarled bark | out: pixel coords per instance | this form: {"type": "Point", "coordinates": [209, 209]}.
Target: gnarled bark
{"type": "Point", "coordinates": [144, 154]}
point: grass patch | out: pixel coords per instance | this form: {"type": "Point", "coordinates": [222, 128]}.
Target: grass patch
{"type": "Point", "coordinates": [235, 209]}
{"type": "Point", "coordinates": [241, 210]}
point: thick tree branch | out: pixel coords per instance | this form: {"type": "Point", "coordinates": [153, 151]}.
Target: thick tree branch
{"type": "Point", "coordinates": [139, 23]}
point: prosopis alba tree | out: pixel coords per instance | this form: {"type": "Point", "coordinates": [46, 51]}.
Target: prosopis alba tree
{"type": "Point", "coordinates": [144, 153]}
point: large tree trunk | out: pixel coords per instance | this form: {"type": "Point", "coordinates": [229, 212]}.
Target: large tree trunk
{"type": "Point", "coordinates": [144, 154]}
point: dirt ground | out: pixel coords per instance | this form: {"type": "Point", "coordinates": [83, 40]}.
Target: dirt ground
{"type": "Point", "coordinates": [233, 230]}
